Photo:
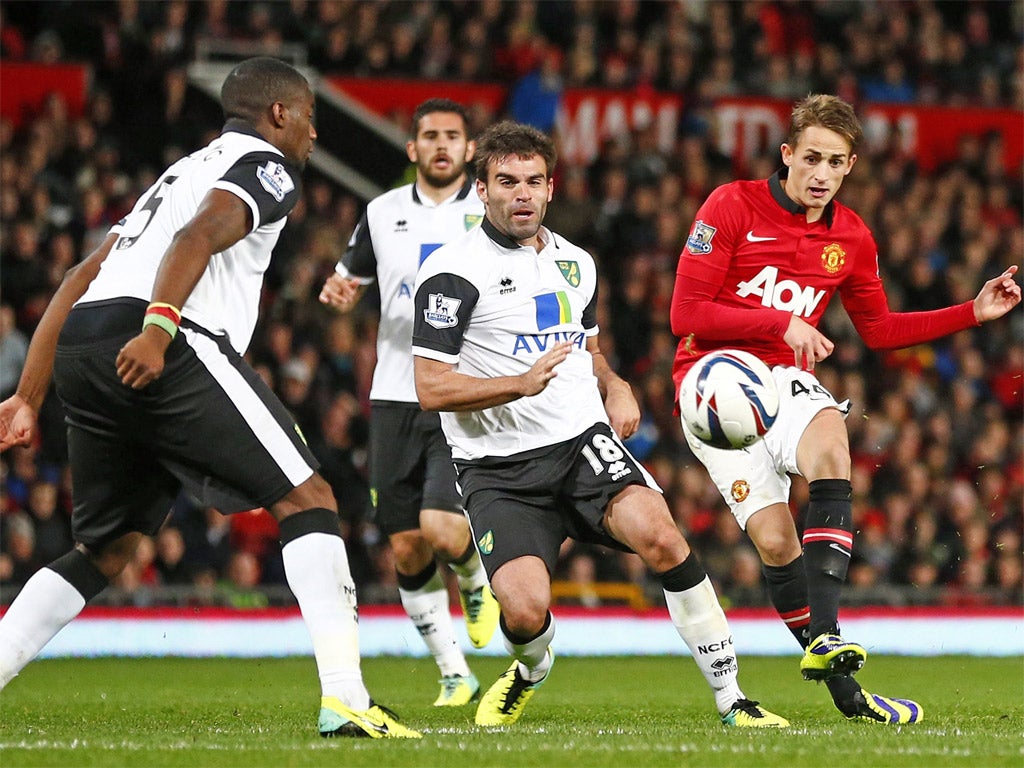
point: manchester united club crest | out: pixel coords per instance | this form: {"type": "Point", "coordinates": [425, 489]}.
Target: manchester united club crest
{"type": "Point", "coordinates": [833, 258]}
{"type": "Point", "coordinates": [740, 490]}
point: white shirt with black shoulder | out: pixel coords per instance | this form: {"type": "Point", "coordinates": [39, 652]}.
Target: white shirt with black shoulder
{"type": "Point", "coordinates": [226, 298]}
{"type": "Point", "coordinates": [492, 307]}
{"type": "Point", "coordinates": [398, 232]}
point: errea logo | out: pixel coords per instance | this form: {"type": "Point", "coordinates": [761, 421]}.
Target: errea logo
{"type": "Point", "coordinates": [785, 295]}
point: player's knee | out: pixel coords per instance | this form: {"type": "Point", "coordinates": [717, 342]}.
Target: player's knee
{"type": "Point", "coordinates": [523, 588]}
{"type": "Point", "coordinates": [113, 557]}
{"type": "Point", "coordinates": [662, 546]}
{"type": "Point", "coordinates": [777, 547]}
{"type": "Point", "coordinates": [447, 535]}
{"type": "Point", "coordinates": [525, 618]}
{"type": "Point", "coordinates": [412, 552]}
{"type": "Point", "coordinates": [314, 493]}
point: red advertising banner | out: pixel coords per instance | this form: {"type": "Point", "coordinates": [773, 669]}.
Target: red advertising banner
{"type": "Point", "coordinates": [744, 126]}
{"type": "Point", "coordinates": [586, 117]}
{"type": "Point", "coordinates": [589, 116]}
{"type": "Point", "coordinates": [750, 126]}
{"type": "Point", "coordinates": [24, 87]}
{"type": "Point", "coordinates": [399, 98]}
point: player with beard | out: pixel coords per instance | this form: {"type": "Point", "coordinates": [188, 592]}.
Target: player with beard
{"type": "Point", "coordinates": [412, 479]}
{"type": "Point", "coordinates": [506, 346]}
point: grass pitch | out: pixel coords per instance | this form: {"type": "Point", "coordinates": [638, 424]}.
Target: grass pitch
{"type": "Point", "coordinates": [649, 711]}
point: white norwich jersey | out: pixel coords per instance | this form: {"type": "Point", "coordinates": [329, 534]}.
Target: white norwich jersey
{"type": "Point", "coordinates": [399, 230]}
{"type": "Point", "coordinates": [226, 299]}
{"type": "Point", "coordinates": [492, 307]}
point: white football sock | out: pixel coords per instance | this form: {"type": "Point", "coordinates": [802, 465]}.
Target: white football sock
{"type": "Point", "coordinates": [470, 574]}
{"type": "Point", "coordinates": [428, 609]}
{"type": "Point", "coordinates": [316, 566]}
{"type": "Point", "coordinates": [533, 657]}
{"type": "Point", "coordinates": [700, 621]}
{"type": "Point", "coordinates": [45, 605]}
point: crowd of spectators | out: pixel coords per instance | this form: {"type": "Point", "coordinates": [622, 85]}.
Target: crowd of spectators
{"type": "Point", "coordinates": [936, 431]}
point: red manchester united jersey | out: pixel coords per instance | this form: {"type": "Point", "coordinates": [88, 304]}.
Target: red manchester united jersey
{"type": "Point", "coordinates": [752, 261]}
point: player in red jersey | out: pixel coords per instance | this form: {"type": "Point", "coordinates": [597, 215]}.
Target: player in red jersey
{"type": "Point", "coordinates": [760, 266]}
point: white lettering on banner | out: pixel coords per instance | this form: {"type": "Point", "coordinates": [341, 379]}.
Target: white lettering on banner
{"type": "Point", "coordinates": [749, 129]}
{"type": "Point", "coordinates": [785, 295]}
{"type": "Point", "coordinates": [585, 124]}
{"type": "Point", "coordinates": [579, 138]}
{"type": "Point", "coordinates": [878, 129]}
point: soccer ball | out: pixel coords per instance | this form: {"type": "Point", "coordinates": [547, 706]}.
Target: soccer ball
{"type": "Point", "coordinates": [729, 399]}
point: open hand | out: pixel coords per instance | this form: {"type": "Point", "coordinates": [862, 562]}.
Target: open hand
{"type": "Point", "coordinates": [997, 297]}
{"type": "Point", "coordinates": [543, 371]}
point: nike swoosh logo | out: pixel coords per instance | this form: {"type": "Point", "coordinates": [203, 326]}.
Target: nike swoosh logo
{"type": "Point", "coordinates": [751, 237]}
{"type": "Point", "coordinates": [379, 727]}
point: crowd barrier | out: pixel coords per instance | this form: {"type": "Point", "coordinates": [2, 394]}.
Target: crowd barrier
{"type": "Point", "coordinates": [386, 631]}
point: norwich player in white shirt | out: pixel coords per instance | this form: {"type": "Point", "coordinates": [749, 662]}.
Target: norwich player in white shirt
{"type": "Point", "coordinates": [506, 345]}
{"type": "Point", "coordinates": [412, 478]}
{"type": "Point", "coordinates": [144, 341]}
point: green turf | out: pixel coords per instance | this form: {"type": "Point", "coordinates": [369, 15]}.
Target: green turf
{"type": "Point", "coordinates": [592, 712]}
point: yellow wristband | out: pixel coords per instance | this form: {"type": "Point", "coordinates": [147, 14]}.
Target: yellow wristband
{"type": "Point", "coordinates": [165, 309]}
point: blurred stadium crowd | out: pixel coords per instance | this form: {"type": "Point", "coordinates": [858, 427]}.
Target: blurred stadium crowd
{"type": "Point", "coordinates": [936, 431]}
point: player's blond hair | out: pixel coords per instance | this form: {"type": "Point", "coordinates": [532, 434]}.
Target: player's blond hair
{"type": "Point", "coordinates": [824, 111]}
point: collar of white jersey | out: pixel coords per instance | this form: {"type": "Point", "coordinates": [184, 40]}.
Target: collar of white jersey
{"type": "Point", "coordinates": [462, 194]}
{"type": "Point", "coordinates": [237, 125]}
{"type": "Point", "coordinates": [547, 237]}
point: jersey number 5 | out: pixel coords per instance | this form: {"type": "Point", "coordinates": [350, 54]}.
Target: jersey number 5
{"type": "Point", "coordinates": [151, 205]}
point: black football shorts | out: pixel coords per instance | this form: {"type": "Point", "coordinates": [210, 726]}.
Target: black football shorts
{"type": "Point", "coordinates": [410, 466]}
{"type": "Point", "coordinates": [527, 504]}
{"type": "Point", "coordinates": [209, 424]}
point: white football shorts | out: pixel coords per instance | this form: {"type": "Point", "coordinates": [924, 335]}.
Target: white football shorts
{"type": "Point", "coordinates": [753, 478]}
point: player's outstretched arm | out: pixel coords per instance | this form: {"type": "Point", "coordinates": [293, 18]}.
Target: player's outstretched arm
{"type": "Point", "coordinates": [997, 297]}
{"type": "Point", "coordinates": [18, 412]}
{"type": "Point", "coordinates": [440, 388]}
{"type": "Point", "coordinates": [341, 293]}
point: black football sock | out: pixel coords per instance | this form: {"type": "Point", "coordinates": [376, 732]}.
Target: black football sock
{"type": "Point", "coordinates": [787, 587]}
{"type": "Point", "coordinates": [844, 690]}
{"type": "Point", "coordinates": [828, 543]}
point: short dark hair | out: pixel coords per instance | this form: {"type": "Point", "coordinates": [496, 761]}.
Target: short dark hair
{"type": "Point", "coordinates": [824, 111]}
{"type": "Point", "coordinates": [430, 106]}
{"type": "Point", "coordinates": [509, 138]}
{"type": "Point", "coordinates": [255, 84]}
